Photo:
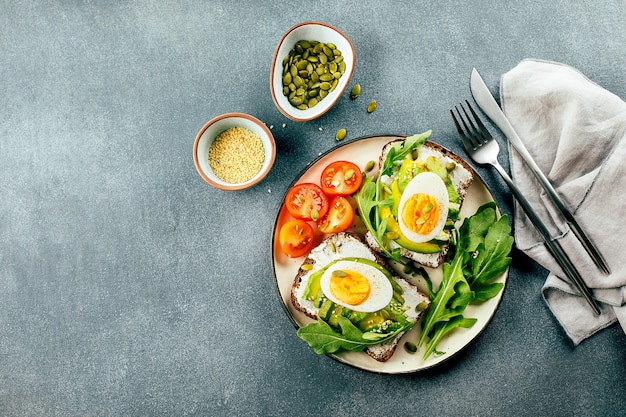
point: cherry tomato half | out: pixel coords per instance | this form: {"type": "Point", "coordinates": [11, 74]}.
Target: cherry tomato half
{"type": "Point", "coordinates": [339, 217]}
{"type": "Point", "coordinates": [296, 238]}
{"type": "Point", "coordinates": [306, 201]}
{"type": "Point", "coordinates": [341, 178]}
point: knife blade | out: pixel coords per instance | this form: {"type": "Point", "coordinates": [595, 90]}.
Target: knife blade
{"type": "Point", "coordinates": [490, 107]}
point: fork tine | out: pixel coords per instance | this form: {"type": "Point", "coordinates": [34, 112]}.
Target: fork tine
{"type": "Point", "coordinates": [486, 136]}
{"type": "Point", "coordinates": [467, 132]}
{"type": "Point", "coordinates": [466, 139]}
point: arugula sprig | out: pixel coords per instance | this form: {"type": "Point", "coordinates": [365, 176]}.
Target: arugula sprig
{"type": "Point", "coordinates": [324, 339]}
{"type": "Point", "coordinates": [479, 254]}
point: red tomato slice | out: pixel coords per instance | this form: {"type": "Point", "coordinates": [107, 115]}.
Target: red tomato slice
{"type": "Point", "coordinates": [306, 201]}
{"type": "Point", "coordinates": [296, 238]}
{"type": "Point", "coordinates": [341, 178]}
{"type": "Point", "coordinates": [339, 217]}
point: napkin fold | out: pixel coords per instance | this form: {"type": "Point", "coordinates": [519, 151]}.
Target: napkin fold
{"type": "Point", "coordinates": [576, 132]}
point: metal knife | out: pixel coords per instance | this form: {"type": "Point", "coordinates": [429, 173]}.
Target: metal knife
{"type": "Point", "coordinates": [490, 107]}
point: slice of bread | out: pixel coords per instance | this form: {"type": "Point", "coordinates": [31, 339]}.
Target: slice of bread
{"type": "Point", "coordinates": [342, 245]}
{"type": "Point", "coordinates": [462, 177]}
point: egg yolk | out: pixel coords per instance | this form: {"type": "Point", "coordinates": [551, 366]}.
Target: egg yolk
{"type": "Point", "coordinates": [349, 287]}
{"type": "Point", "coordinates": [421, 213]}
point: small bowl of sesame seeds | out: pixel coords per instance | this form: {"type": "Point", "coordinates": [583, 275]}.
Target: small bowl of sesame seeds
{"type": "Point", "coordinates": [234, 151]}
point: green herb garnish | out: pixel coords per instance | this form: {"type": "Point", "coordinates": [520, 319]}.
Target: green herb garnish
{"type": "Point", "coordinates": [478, 256]}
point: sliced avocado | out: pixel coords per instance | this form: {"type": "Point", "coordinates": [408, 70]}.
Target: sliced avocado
{"type": "Point", "coordinates": [370, 321]}
{"type": "Point", "coordinates": [313, 284]}
{"type": "Point", "coordinates": [326, 310]}
{"type": "Point", "coordinates": [434, 165]}
{"type": "Point", "coordinates": [453, 196]}
{"type": "Point", "coordinates": [334, 312]}
{"type": "Point", "coordinates": [397, 196]}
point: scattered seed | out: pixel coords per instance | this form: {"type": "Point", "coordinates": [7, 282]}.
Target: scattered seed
{"type": "Point", "coordinates": [306, 267]}
{"type": "Point", "coordinates": [421, 306]}
{"type": "Point", "coordinates": [339, 273]}
{"type": "Point", "coordinates": [372, 106]}
{"type": "Point", "coordinates": [369, 166]}
{"type": "Point", "coordinates": [410, 347]}
{"type": "Point", "coordinates": [356, 91]}
{"type": "Point", "coordinates": [341, 134]}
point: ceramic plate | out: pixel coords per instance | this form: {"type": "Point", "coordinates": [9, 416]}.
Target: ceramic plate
{"type": "Point", "coordinates": [360, 151]}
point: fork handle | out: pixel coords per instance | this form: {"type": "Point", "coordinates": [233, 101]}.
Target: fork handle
{"type": "Point", "coordinates": [554, 247]}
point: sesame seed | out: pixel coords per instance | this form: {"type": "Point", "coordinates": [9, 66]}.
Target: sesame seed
{"type": "Point", "coordinates": [236, 155]}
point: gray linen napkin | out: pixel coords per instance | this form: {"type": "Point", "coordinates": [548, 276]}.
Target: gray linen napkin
{"type": "Point", "coordinates": [576, 132]}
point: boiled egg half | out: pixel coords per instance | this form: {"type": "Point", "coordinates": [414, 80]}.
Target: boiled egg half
{"type": "Point", "coordinates": [357, 286]}
{"type": "Point", "coordinates": [423, 208]}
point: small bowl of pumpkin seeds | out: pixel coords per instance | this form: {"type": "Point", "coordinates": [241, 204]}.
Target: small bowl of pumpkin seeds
{"type": "Point", "coordinates": [234, 151]}
{"type": "Point", "coordinates": [311, 68]}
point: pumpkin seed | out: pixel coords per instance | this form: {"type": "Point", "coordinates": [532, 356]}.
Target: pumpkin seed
{"type": "Point", "coordinates": [296, 101]}
{"type": "Point", "coordinates": [450, 166]}
{"type": "Point", "coordinates": [410, 347]}
{"type": "Point", "coordinates": [311, 70]}
{"type": "Point", "coordinates": [372, 106]}
{"type": "Point", "coordinates": [356, 91]}
{"type": "Point", "coordinates": [341, 134]}
{"type": "Point", "coordinates": [339, 273]}
{"type": "Point", "coordinates": [369, 166]}
{"type": "Point", "coordinates": [421, 306]}
{"type": "Point", "coordinates": [306, 267]}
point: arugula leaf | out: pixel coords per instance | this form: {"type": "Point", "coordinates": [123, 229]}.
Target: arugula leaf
{"type": "Point", "coordinates": [324, 339]}
{"type": "Point", "coordinates": [399, 150]}
{"type": "Point", "coordinates": [493, 257]}
{"type": "Point", "coordinates": [440, 311]}
{"type": "Point", "coordinates": [367, 202]}
{"type": "Point", "coordinates": [479, 255]}
{"type": "Point", "coordinates": [443, 329]}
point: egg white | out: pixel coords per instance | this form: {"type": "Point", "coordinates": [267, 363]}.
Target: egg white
{"type": "Point", "coordinates": [431, 184]}
{"type": "Point", "coordinates": [381, 290]}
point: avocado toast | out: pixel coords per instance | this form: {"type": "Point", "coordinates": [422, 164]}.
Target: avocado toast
{"type": "Point", "coordinates": [378, 200]}
{"type": "Point", "coordinates": [375, 332]}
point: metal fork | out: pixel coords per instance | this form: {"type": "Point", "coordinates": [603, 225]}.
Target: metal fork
{"type": "Point", "coordinates": [484, 150]}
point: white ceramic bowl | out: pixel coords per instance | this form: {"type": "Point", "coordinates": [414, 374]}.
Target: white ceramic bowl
{"type": "Point", "coordinates": [217, 125]}
{"type": "Point", "coordinates": [317, 31]}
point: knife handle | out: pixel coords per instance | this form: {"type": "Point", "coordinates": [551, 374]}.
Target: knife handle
{"type": "Point", "coordinates": [553, 246]}
{"type": "Point", "coordinates": [558, 202]}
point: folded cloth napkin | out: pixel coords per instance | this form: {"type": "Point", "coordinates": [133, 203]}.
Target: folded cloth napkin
{"type": "Point", "coordinates": [576, 132]}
